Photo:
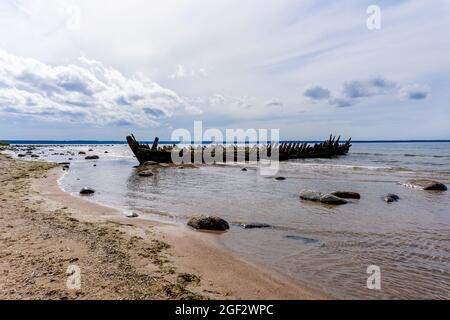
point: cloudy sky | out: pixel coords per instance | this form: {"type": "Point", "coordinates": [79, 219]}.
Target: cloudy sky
{"type": "Point", "coordinates": [102, 69]}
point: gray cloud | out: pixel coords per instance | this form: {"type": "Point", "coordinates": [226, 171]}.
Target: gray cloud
{"type": "Point", "coordinates": [88, 92]}
{"type": "Point", "coordinates": [415, 92]}
{"type": "Point", "coordinates": [317, 93]}
{"type": "Point", "coordinates": [367, 88]}
{"type": "Point", "coordinates": [355, 90]}
{"type": "Point", "coordinates": [274, 103]}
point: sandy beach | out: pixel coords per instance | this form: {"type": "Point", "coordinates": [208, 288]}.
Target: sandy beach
{"type": "Point", "coordinates": [44, 230]}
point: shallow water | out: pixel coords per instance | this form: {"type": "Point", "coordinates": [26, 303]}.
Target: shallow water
{"type": "Point", "coordinates": [326, 248]}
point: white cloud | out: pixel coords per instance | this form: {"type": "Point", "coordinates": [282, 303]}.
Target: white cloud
{"type": "Point", "coordinates": [87, 92]}
{"type": "Point", "coordinates": [181, 73]}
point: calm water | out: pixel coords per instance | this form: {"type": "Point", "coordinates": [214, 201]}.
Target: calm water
{"type": "Point", "coordinates": [326, 248]}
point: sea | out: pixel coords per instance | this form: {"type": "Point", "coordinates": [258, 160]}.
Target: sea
{"type": "Point", "coordinates": [331, 249]}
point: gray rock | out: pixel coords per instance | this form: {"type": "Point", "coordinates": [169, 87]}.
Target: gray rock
{"type": "Point", "coordinates": [87, 191]}
{"type": "Point", "coordinates": [208, 223]}
{"type": "Point", "coordinates": [132, 215]}
{"type": "Point", "coordinates": [311, 195]}
{"type": "Point", "coordinates": [393, 196]}
{"type": "Point", "coordinates": [425, 184]}
{"type": "Point", "coordinates": [145, 174]}
{"type": "Point", "coordinates": [346, 194]}
{"type": "Point", "coordinates": [331, 199]}
{"type": "Point", "coordinates": [92, 157]}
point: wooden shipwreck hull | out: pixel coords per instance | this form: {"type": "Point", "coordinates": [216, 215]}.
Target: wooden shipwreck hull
{"type": "Point", "coordinates": [286, 150]}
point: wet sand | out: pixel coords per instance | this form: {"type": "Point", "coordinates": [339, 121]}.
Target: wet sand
{"type": "Point", "coordinates": [44, 230]}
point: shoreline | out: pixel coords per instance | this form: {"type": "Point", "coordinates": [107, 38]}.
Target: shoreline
{"type": "Point", "coordinates": [186, 263]}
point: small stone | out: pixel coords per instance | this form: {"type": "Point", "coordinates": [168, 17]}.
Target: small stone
{"type": "Point", "coordinates": [244, 169]}
{"type": "Point", "coordinates": [280, 178]}
{"type": "Point", "coordinates": [145, 174]}
{"type": "Point", "coordinates": [255, 225]}
{"type": "Point", "coordinates": [92, 157]}
{"type": "Point", "coordinates": [81, 152]}
{"type": "Point", "coordinates": [87, 191]}
{"type": "Point", "coordinates": [132, 215]}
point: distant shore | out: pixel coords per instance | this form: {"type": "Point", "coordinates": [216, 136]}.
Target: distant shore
{"type": "Point", "coordinates": [45, 230]}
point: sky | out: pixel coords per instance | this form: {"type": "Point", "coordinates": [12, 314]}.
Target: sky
{"type": "Point", "coordinates": [99, 70]}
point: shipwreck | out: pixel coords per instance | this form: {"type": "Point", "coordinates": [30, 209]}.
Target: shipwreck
{"type": "Point", "coordinates": [331, 147]}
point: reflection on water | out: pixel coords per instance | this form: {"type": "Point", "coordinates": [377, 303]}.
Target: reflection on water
{"type": "Point", "coordinates": [327, 248]}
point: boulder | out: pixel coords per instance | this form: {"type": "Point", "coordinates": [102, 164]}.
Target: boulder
{"type": "Point", "coordinates": [92, 157]}
{"type": "Point", "coordinates": [346, 194]}
{"type": "Point", "coordinates": [425, 184]}
{"type": "Point", "coordinates": [311, 195]}
{"type": "Point", "coordinates": [331, 199]}
{"type": "Point", "coordinates": [87, 191]}
{"type": "Point", "coordinates": [208, 223]}
{"type": "Point", "coordinates": [145, 174]}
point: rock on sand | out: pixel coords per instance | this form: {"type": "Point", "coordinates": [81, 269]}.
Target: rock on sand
{"type": "Point", "coordinates": [208, 223]}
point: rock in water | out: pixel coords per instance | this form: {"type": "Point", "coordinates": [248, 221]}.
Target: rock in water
{"type": "Point", "coordinates": [145, 174]}
{"type": "Point", "coordinates": [244, 169]}
{"type": "Point", "coordinates": [86, 191]}
{"type": "Point", "coordinates": [303, 239]}
{"type": "Point", "coordinates": [92, 157]}
{"type": "Point", "coordinates": [255, 225]}
{"type": "Point", "coordinates": [331, 199]}
{"type": "Point", "coordinates": [346, 194]}
{"type": "Point", "coordinates": [389, 199]}
{"type": "Point", "coordinates": [132, 215]}
{"type": "Point", "coordinates": [81, 152]}
{"type": "Point", "coordinates": [208, 223]}
{"type": "Point", "coordinates": [424, 184]}
{"type": "Point", "coordinates": [280, 178]}
{"type": "Point", "coordinates": [311, 195]}
{"type": "Point", "coordinates": [393, 196]}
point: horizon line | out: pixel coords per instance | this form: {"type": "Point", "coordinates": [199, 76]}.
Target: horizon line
{"type": "Point", "coordinates": [44, 141]}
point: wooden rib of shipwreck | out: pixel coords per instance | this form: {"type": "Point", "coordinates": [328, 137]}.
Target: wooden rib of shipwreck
{"type": "Point", "coordinates": [286, 150]}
